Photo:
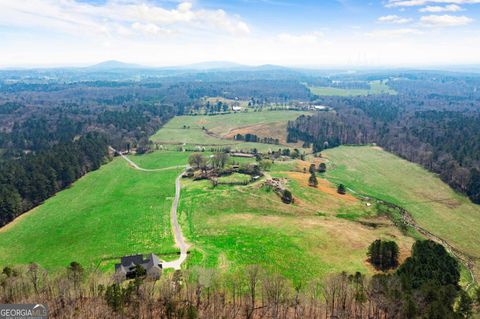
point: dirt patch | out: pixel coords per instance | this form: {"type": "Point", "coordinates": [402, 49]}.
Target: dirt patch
{"type": "Point", "coordinates": [323, 186]}
{"type": "Point", "coordinates": [301, 165]}
{"type": "Point", "coordinates": [201, 122]}
{"type": "Point", "coordinates": [449, 202]}
{"type": "Point", "coordinates": [378, 148]}
{"type": "Point", "coordinates": [223, 263]}
{"type": "Point", "coordinates": [273, 130]}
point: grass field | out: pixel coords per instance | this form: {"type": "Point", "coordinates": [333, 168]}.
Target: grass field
{"type": "Point", "coordinates": [111, 212]}
{"type": "Point", "coordinates": [117, 211]}
{"type": "Point", "coordinates": [231, 227]}
{"type": "Point", "coordinates": [376, 87]}
{"type": "Point", "coordinates": [188, 129]}
{"type": "Point", "coordinates": [230, 102]}
{"type": "Point", "coordinates": [433, 204]}
{"type": "Point", "coordinates": [234, 178]}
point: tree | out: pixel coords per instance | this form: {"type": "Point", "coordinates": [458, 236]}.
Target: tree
{"type": "Point", "coordinates": [341, 189]}
{"type": "Point", "coordinates": [287, 196]}
{"type": "Point", "coordinates": [465, 305]}
{"type": "Point", "coordinates": [473, 188]}
{"type": "Point", "coordinates": [253, 278]}
{"type": "Point", "coordinates": [477, 296]}
{"type": "Point", "coordinates": [219, 160]}
{"type": "Point", "coordinates": [9, 272]}
{"type": "Point", "coordinates": [322, 168]}
{"type": "Point", "coordinates": [75, 273]}
{"type": "Point", "coordinates": [430, 262]}
{"type": "Point", "coordinates": [383, 255]}
{"type": "Point", "coordinates": [197, 160]}
{"type": "Point", "coordinates": [312, 180]}
{"type": "Point", "coordinates": [265, 165]}
{"type": "Point", "coordinates": [35, 273]}
{"type": "Point", "coordinates": [312, 169]}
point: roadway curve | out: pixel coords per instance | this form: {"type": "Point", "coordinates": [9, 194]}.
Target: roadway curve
{"type": "Point", "coordinates": [180, 241]}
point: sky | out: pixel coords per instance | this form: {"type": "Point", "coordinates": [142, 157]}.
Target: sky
{"type": "Point", "coordinates": [308, 33]}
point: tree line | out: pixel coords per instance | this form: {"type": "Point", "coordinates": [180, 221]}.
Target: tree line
{"type": "Point", "coordinates": [443, 141]}
{"type": "Point", "coordinates": [28, 181]}
{"type": "Point", "coordinates": [425, 286]}
{"type": "Point", "coordinates": [248, 137]}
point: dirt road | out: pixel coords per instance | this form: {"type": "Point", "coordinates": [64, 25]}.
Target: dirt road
{"type": "Point", "coordinates": [177, 231]}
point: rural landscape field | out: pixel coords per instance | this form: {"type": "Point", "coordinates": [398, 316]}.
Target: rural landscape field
{"type": "Point", "coordinates": [241, 159]}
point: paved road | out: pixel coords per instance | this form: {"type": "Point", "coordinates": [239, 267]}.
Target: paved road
{"type": "Point", "coordinates": [177, 231]}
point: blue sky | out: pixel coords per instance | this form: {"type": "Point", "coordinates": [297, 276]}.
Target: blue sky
{"type": "Point", "coordinates": [298, 33]}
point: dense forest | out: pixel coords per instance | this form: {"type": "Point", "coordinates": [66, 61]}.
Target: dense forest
{"type": "Point", "coordinates": [28, 181]}
{"type": "Point", "coordinates": [440, 131]}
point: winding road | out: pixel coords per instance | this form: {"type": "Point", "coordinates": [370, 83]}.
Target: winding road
{"type": "Point", "coordinates": [177, 231]}
{"type": "Point", "coordinates": [135, 165]}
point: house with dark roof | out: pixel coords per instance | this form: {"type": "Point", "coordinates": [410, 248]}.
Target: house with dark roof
{"type": "Point", "coordinates": [150, 263]}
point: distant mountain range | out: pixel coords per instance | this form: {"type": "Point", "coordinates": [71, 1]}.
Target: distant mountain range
{"type": "Point", "coordinates": [202, 66]}
{"type": "Point", "coordinates": [113, 64]}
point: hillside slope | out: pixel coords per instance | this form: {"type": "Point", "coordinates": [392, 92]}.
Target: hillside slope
{"type": "Point", "coordinates": [432, 203]}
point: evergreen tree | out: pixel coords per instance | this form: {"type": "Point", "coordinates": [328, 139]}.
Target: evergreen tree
{"type": "Point", "coordinates": [465, 305]}
{"type": "Point", "coordinates": [383, 255]}
{"type": "Point", "coordinates": [312, 180]}
{"type": "Point", "coordinates": [322, 168]}
{"type": "Point", "coordinates": [341, 189]}
{"type": "Point", "coordinates": [287, 196]}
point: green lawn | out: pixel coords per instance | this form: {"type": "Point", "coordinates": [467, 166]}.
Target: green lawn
{"type": "Point", "coordinates": [433, 204]}
{"type": "Point", "coordinates": [111, 212]}
{"type": "Point", "coordinates": [234, 226]}
{"type": "Point", "coordinates": [376, 87]}
{"type": "Point", "coordinates": [235, 178]}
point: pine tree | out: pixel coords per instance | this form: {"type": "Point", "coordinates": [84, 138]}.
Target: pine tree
{"type": "Point", "coordinates": [465, 305]}
{"type": "Point", "coordinates": [322, 168]}
{"type": "Point", "coordinates": [312, 180]}
{"type": "Point", "coordinates": [383, 255]}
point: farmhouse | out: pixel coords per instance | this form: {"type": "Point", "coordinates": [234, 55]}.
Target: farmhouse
{"type": "Point", "coordinates": [150, 263]}
{"type": "Point", "coordinates": [319, 107]}
{"type": "Point", "coordinates": [245, 155]}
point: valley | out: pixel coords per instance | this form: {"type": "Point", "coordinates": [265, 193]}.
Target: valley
{"type": "Point", "coordinates": [124, 208]}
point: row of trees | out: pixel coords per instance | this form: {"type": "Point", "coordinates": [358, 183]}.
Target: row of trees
{"type": "Point", "coordinates": [216, 161]}
{"type": "Point", "coordinates": [254, 138]}
{"type": "Point", "coordinates": [425, 286]}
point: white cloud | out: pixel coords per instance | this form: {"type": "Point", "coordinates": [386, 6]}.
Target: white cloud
{"type": "Point", "coordinates": [70, 16]}
{"type": "Point", "coordinates": [414, 3]}
{"type": "Point", "coordinates": [444, 20]}
{"type": "Point", "coordinates": [436, 9]}
{"type": "Point", "coordinates": [46, 32]}
{"type": "Point", "coordinates": [393, 32]}
{"type": "Point", "coordinates": [150, 29]}
{"type": "Point", "coordinates": [394, 19]}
